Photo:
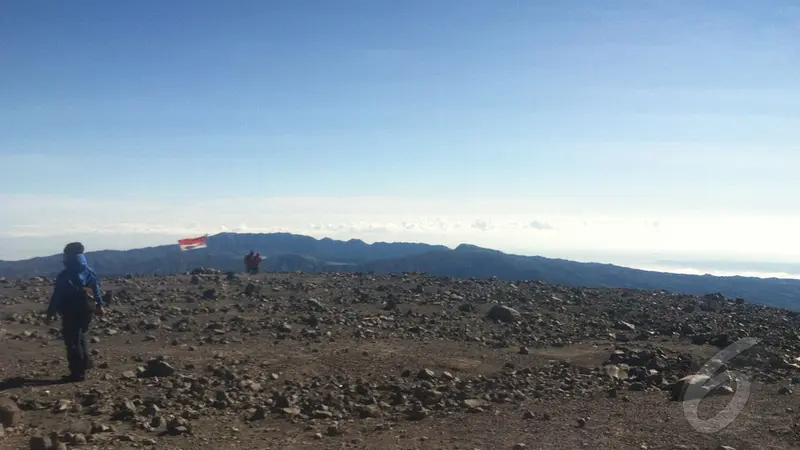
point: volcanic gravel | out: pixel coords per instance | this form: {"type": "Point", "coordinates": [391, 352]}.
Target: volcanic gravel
{"type": "Point", "coordinates": [210, 360]}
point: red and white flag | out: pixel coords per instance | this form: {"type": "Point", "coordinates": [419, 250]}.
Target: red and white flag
{"type": "Point", "coordinates": [193, 243]}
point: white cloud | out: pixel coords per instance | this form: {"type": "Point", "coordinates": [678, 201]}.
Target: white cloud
{"type": "Point", "coordinates": [538, 225]}
{"type": "Point", "coordinates": [36, 225]}
{"type": "Point", "coordinates": [483, 225]}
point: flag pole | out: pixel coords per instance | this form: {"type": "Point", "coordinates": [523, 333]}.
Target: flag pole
{"type": "Point", "coordinates": [182, 258]}
{"type": "Point", "coordinates": [190, 244]}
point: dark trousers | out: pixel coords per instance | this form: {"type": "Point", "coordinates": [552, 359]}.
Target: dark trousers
{"type": "Point", "coordinates": [252, 270]}
{"type": "Point", "coordinates": [75, 329]}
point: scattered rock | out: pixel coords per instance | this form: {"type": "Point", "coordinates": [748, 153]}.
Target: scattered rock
{"type": "Point", "coordinates": [319, 317]}
{"type": "Point", "coordinates": [503, 314]}
{"type": "Point", "coordinates": [179, 426]}
{"type": "Point", "coordinates": [157, 368]}
{"type": "Point", "coordinates": [10, 413]}
{"type": "Point", "coordinates": [697, 386]}
{"type": "Point", "coordinates": [41, 443]}
{"type": "Point", "coordinates": [625, 326]}
{"type": "Point", "coordinates": [426, 374]}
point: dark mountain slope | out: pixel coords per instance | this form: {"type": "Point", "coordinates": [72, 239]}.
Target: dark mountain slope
{"type": "Point", "coordinates": [470, 261]}
{"type": "Point", "coordinates": [297, 263]}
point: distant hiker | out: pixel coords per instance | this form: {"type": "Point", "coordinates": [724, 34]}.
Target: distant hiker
{"type": "Point", "coordinates": [253, 262]}
{"type": "Point", "coordinates": [248, 261]}
{"type": "Point", "coordinates": [77, 296]}
{"type": "Point", "coordinates": [257, 262]}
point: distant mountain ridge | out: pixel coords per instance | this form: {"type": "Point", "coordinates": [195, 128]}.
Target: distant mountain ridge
{"type": "Point", "coordinates": [285, 252]}
{"type": "Point", "coordinates": [225, 251]}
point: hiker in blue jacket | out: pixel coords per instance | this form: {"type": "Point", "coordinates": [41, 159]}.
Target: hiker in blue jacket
{"type": "Point", "coordinates": [77, 296]}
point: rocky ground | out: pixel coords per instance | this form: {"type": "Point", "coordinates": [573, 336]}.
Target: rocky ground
{"type": "Point", "coordinates": [290, 361]}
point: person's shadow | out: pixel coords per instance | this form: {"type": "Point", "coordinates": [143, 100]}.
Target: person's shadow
{"type": "Point", "coordinates": [19, 382]}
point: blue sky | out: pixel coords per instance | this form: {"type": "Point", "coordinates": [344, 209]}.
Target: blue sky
{"type": "Point", "coordinates": [570, 113]}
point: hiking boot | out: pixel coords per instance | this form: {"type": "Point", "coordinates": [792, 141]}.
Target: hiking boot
{"type": "Point", "coordinates": [74, 378]}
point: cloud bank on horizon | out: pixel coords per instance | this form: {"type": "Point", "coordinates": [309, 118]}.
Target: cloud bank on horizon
{"type": "Point", "coordinates": [519, 226]}
{"type": "Point", "coordinates": [567, 129]}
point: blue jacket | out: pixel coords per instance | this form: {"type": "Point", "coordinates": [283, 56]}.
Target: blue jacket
{"type": "Point", "coordinates": [76, 275]}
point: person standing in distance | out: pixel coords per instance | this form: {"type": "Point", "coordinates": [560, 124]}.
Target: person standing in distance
{"type": "Point", "coordinates": [248, 261]}
{"type": "Point", "coordinates": [77, 296]}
